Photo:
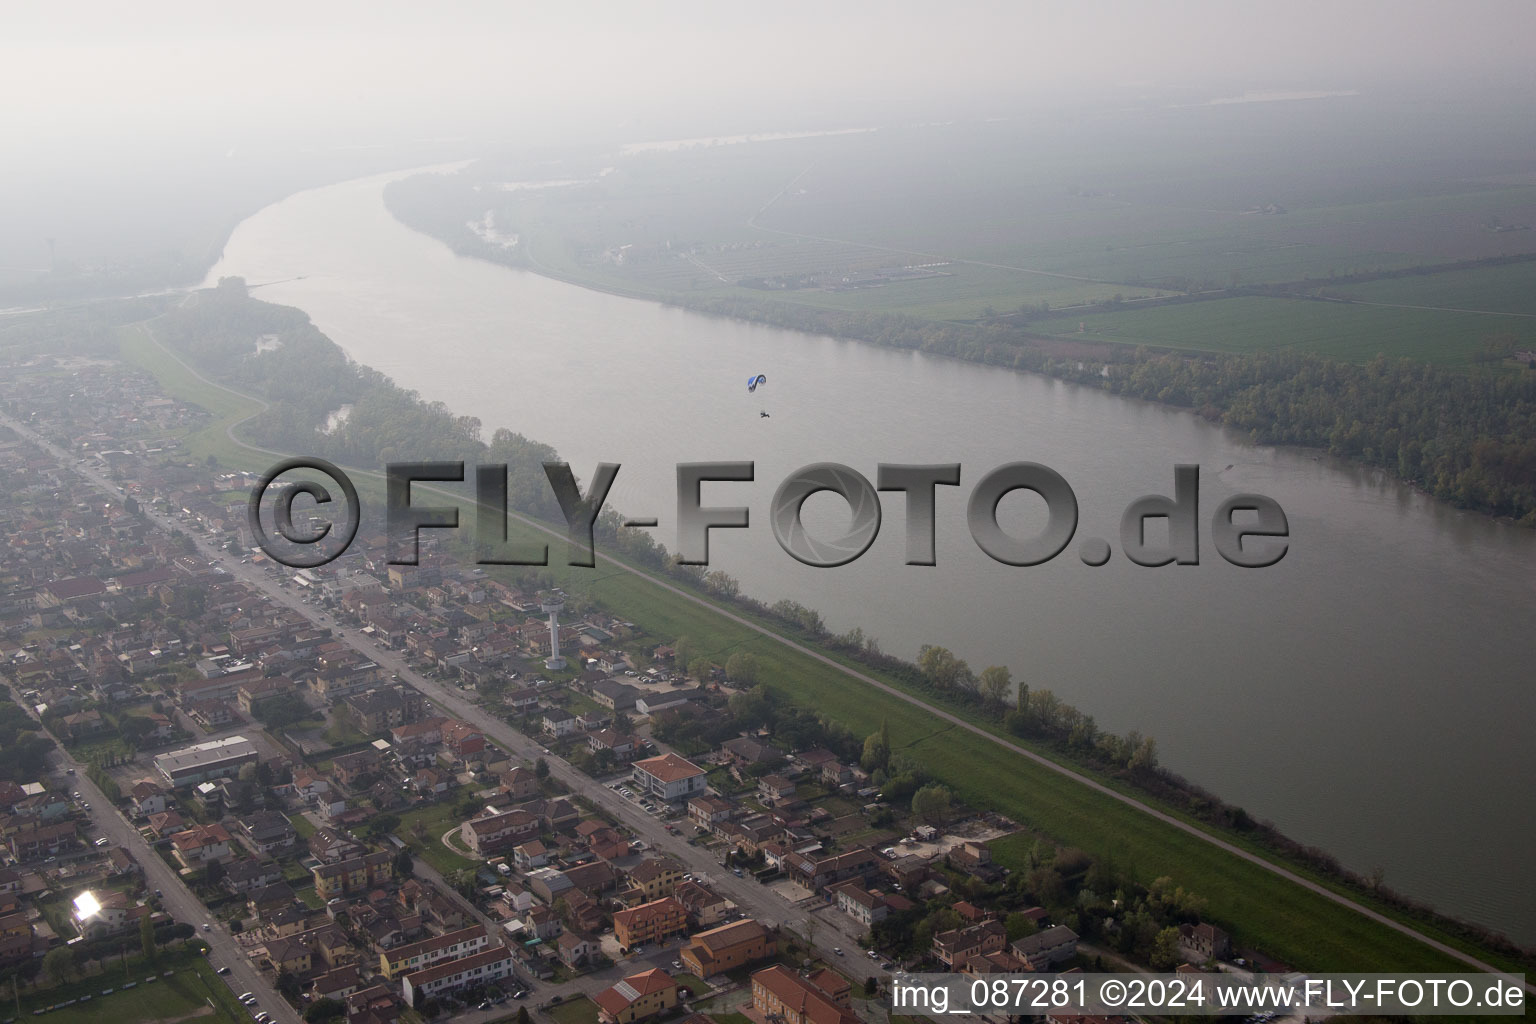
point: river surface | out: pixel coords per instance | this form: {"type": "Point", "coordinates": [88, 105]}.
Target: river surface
{"type": "Point", "coordinates": [1371, 694]}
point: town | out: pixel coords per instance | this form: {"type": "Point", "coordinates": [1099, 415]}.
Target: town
{"type": "Point", "coordinates": [377, 792]}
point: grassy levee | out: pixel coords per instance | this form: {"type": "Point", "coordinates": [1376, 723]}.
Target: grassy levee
{"type": "Point", "coordinates": [1259, 907]}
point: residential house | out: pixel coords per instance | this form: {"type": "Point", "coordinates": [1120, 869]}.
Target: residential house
{"type": "Point", "coordinates": [649, 922]}
{"type": "Point", "coordinates": [417, 955]}
{"type": "Point", "coordinates": [201, 844]}
{"type": "Point", "coordinates": [574, 948]}
{"type": "Point", "coordinates": [250, 875]}
{"type": "Point", "coordinates": [477, 969]}
{"type": "Point", "coordinates": [289, 954]}
{"type": "Point", "coordinates": [147, 797]}
{"type": "Point", "coordinates": [331, 847]}
{"type": "Point", "coordinates": [352, 875]}
{"type": "Point", "coordinates": [705, 907]}
{"type": "Point", "coordinates": [652, 879]}
{"type": "Point", "coordinates": [519, 784]}
{"type": "Point", "coordinates": [620, 746]}
{"type": "Point", "coordinates": [357, 769]}
{"type": "Point", "coordinates": [706, 810]}
{"type": "Point", "coordinates": [1044, 948]}
{"type": "Point", "coordinates": [493, 833]}
{"type": "Point", "coordinates": [780, 994]}
{"type": "Point", "coordinates": [559, 722]}
{"type": "Point", "coordinates": [816, 873]}
{"type": "Point", "coordinates": [270, 832]}
{"type": "Point", "coordinates": [637, 997]}
{"type": "Point", "coordinates": [1201, 943]}
{"type": "Point", "coordinates": [952, 948]}
{"type": "Point", "coordinates": [859, 903]}
{"type": "Point", "coordinates": [463, 740]}
{"type": "Point", "coordinates": [773, 790]}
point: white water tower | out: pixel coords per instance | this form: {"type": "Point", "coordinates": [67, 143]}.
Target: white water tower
{"type": "Point", "coordinates": [551, 602]}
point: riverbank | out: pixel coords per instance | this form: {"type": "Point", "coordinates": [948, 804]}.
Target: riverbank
{"type": "Point", "coordinates": [1459, 435]}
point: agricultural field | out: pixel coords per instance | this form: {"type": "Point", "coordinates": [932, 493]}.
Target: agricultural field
{"type": "Point", "coordinates": [1505, 289]}
{"type": "Point", "coordinates": [1345, 331]}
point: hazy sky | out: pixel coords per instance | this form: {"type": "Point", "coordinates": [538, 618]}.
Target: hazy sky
{"type": "Point", "coordinates": [354, 69]}
{"type": "Point", "coordinates": [139, 127]}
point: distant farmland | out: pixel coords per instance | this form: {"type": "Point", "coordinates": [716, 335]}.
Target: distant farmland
{"type": "Point", "coordinates": [1355, 333]}
{"type": "Point", "coordinates": [1510, 288]}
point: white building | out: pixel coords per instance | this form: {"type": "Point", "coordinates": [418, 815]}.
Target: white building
{"type": "Point", "coordinates": [669, 777]}
{"type": "Point", "coordinates": [479, 969]}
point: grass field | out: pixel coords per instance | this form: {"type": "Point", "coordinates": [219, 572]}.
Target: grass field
{"type": "Point", "coordinates": [435, 819]}
{"type": "Point", "coordinates": [1344, 331]}
{"type": "Point", "coordinates": [1258, 907]}
{"type": "Point", "coordinates": [577, 1011]}
{"type": "Point", "coordinates": [1510, 288]}
{"type": "Point", "coordinates": [185, 996]}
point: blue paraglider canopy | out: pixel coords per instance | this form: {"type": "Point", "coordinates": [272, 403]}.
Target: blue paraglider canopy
{"type": "Point", "coordinates": [753, 382]}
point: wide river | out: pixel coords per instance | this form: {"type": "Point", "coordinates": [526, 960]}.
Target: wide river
{"type": "Point", "coordinates": [1371, 694]}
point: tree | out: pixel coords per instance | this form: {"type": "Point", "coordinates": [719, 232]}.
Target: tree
{"type": "Point", "coordinates": [871, 986]}
{"type": "Point", "coordinates": [404, 865]}
{"type": "Point", "coordinates": [541, 769]}
{"type": "Point", "coordinates": [213, 874]}
{"type": "Point", "coordinates": [147, 938]}
{"type": "Point", "coordinates": [1145, 757]}
{"type": "Point", "coordinates": [877, 750]}
{"type": "Point", "coordinates": [289, 986]}
{"type": "Point", "coordinates": [682, 651]}
{"type": "Point", "coordinates": [1165, 950]}
{"type": "Point", "coordinates": [61, 964]}
{"type": "Point", "coordinates": [741, 668]}
{"type": "Point", "coordinates": [932, 803]}
{"type": "Point", "coordinates": [995, 680]}
{"type": "Point", "coordinates": [326, 1009]}
{"type": "Point", "coordinates": [1020, 925]}
{"type": "Point", "coordinates": [522, 1015]}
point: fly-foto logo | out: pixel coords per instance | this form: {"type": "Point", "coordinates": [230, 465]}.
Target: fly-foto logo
{"type": "Point", "coordinates": [1248, 530]}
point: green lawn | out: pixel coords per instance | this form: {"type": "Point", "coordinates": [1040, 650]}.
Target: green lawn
{"type": "Point", "coordinates": [309, 897]}
{"type": "Point", "coordinates": [435, 820]}
{"type": "Point", "coordinates": [185, 995]}
{"type": "Point", "coordinates": [1350, 332]}
{"type": "Point", "coordinates": [577, 1011]}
